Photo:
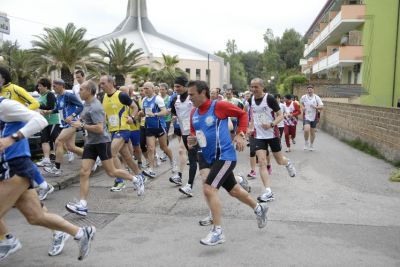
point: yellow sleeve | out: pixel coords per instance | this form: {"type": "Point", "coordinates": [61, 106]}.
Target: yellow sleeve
{"type": "Point", "coordinates": [31, 102]}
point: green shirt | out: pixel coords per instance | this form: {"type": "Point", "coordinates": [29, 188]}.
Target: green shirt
{"type": "Point", "coordinates": [51, 118]}
{"type": "Point", "coordinates": [167, 103]}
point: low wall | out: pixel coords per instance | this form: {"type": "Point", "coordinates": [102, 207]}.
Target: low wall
{"type": "Point", "coordinates": [377, 126]}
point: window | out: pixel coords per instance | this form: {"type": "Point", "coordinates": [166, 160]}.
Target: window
{"type": "Point", "coordinates": [349, 77]}
{"type": "Point", "coordinates": [198, 74]}
{"type": "Point", "coordinates": [187, 70]}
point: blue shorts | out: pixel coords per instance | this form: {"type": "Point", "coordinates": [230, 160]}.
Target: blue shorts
{"type": "Point", "coordinates": [135, 137]}
{"type": "Point", "coordinates": [22, 167]}
{"type": "Point", "coordinates": [125, 134]}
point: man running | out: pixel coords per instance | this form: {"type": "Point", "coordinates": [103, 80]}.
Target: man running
{"type": "Point", "coordinates": [116, 105]}
{"type": "Point", "coordinates": [217, 157]}
{"type": "Point", "coordinates": [98, 144]}
{"type": "Point", "coordinates": [264, 123]}
{"type": "Point", "coordinates": [16, 175]}
{"type": "Point", "coordinates": [292, 110]}
{"type": "Point", "coordinates": [69, 107]}
{"type": "Point", "coordinates": [312, 104]}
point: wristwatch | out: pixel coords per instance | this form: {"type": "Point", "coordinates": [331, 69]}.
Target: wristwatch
{"type": "Point", "coordinates": [74, 115]}
{"type": "Point", "coordinates": [272, 125]}
{"type": "Point", "coordinates": [82, 124]}
{"type": "Point", "coordinates": [16, 137]}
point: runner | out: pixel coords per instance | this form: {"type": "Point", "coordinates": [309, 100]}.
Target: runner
{"type": "Point", "coordinates": [209, 122]}
{"type": "Point", "coordinates": [264, 123]}
{"type": "Point", "coordinates": [98, 144]}
{"type": "Point", "coordinates": [312, 104]}
{"type": "Point", "coordinates": [16, 176]}
{"type": "Point", "coordinates": [69, 107]}
{"type": "Point", "coordinates": [292, 110]}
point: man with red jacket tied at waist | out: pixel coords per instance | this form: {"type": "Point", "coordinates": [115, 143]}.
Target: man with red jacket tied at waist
{"type": "Point", "coordinates": [217, 156]}
{"type": "Point", "coordinates": [292, 110]}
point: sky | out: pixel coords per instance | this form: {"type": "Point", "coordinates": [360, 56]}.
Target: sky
{"type": "Point", "coordinates": [205, 24]}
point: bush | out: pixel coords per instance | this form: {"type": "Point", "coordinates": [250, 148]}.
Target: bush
{"type": "Point", "coordinates": [291, 80]}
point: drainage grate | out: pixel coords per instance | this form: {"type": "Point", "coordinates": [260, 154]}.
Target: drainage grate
{"type": "Point", "coordinates": [100, 220]}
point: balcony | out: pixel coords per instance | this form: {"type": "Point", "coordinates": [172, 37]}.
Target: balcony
{"type": "Point", "coordinates": [348, 18]}
{"type": "Point", "coordinates": [342, 56]}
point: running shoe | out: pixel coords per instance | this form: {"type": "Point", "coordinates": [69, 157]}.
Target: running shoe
{"type": "Point", "coordinates": [139, 184]}
{"type": "Point", "coordinates": [291, 169]}
{"type": "Point", "coordinates": [262, 216]}
{"type": "Point", "coordinates": [187, 190]}
{"type": "Point", "coordinates": [59, 239]}
{"type": "Point", "coordinates": [71, 156]}
{"type": "Point", "coordinates": [266, 197]}
{"type": "Point", "coordinates": [45, 162]}
{"type": "Point", "coordinates": [213, 238]}
{"type": "Point", "coordinates": [150, 173]}
{"type": "Point", "coordinates": [311, 148]}
{"type": "Point", "coordinates": [176, 179]}
{"type": "Point", "coordinates": [53, 170]}
{"type": "Point", "coordinates": [9, 246]}
{"type": "Point", "coordinates": [118, 186]}
{"type": "Point", "coordinates": [85, 240]}
{"type": "Point", "coordinates": [207, 220]}
{"type": "Point", "coordinates": [245, 184]}
{"type": "Point", "coordinates": [77, 208]}
{"type": "Point", "coordinates": [44, 192]}
{"type": "Point", "coordinates": [306, 146]}
{"type": "Point", "coordinates": [252, 174]}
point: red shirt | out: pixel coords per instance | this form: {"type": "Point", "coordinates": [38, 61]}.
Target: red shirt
{"type": "Point", "coordinates": [223, 110]}
{"type": "Point", "coordinates": [296, 106]}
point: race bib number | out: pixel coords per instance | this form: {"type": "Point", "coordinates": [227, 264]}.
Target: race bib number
{"type": "Point", "coordinates": [201, 139]}
{"type": "Point", "coordinates": [113, 120]}
{"type": "Point", "coordinates": [261, 119]}
{"type": "Point", "coordinates": [148, 111]}
{"type": "Point", "coordinates": [185, 124]}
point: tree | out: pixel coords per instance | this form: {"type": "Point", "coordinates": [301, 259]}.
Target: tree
{"type": "Point", "coordinates": [252, 63]}
{"type": "Point", "coordinates": [124, 59]}
{"type": "Point", "coordinates": [166, 70]}
{"type": "Point", "coordinates": [291, 48]}
{"type": "Point", "coordinates": [141, 75]}
{"type": "Point", "coordinates": [64, 50]}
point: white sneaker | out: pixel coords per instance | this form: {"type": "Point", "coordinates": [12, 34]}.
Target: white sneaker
{"type": "Point", "coordinates": [187, 190]}
{"type": "Point", "coordinates": [306, 146]}
{"type": "Point", "coordinates": [71, 156]}
{"type": "Point", "coordinates": [291, 169]}
{"type": "Point", "coordinates": [311, 148]}
{"type": "Point", "coordinates": [45, 162]}
{"type": "Point", "coordinates": [150, 173]}
{"type": "Point", "coordinates": [59, 239]}
{"type": "Point", "coordinates": [44, 192]}
{"type": "Point", "coordinates": [139, 184]}
{"type": "Point", "coordinates": [53, 170]}
{"type": "Point", "coordinates": [9, 246]}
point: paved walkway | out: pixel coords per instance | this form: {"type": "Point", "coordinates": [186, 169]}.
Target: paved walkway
{"type": "Point", "coordinates": [340, 210]}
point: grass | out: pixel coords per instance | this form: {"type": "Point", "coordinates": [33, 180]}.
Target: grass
{"type": "Point", "coordinates": [370, 150]}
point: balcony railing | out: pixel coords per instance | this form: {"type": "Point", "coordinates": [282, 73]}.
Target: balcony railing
{"type": "Point", "coordinates": [348, 13]}
{"type": "Point", "coordinates": [344, 54]}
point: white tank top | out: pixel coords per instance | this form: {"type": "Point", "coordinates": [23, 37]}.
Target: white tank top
{"type": "Point", "coordinates": [289, 109]}
{"type": "Point", "coordinates": [262, 114]}
{"type": "Point", "coordinates": [183, 110]}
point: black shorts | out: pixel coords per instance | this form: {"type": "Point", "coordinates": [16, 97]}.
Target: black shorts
{"type": "Point", "coordinates": [252, 146]}
{"type": "Point", "coordinates": [313, 124]}
{"type": "Point", "coordinates": [156, 132]}
{"type": "Point", "coordinates": [22, 167]}
{"type": "Point", "coordinates": [50, 133]}
{"type": "Point", "coordinates": [177, 132]}
{"type": "Point", "coordinates": [273, 143]}
{"type": "Point", "coordinates": [221, 173]}
{"type": "Point", "coordinates": [102, 150]}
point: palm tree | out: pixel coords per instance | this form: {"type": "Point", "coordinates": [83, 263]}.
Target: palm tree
{"type": "Point", "coordinates": [141, 74]}
{"type": "Point", "coordinates": [64, 50]}
{"type": "Point", "coordinates": [167, 70]}
{"type": "Point", "coordinates": [123, 57]}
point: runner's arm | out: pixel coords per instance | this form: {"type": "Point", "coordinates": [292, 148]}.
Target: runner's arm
{"type": "Point", "coordinates": [225, 109]}
{"type": "Point", "coordinates": [32, 103]}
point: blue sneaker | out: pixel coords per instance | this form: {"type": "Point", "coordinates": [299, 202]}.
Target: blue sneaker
{"type": "Point", "coordinates": [213, 238]}
{"type": "Point", "coordinates": [77, 208]}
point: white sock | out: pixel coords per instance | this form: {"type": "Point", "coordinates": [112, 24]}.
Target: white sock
{"type": "Point", "coordinates": [79, 234]}
{"type": "Point", "coordinates": [83, 202]}
{"type": "Point", "coordinates": [134, 179]}
{"type": "Point", "coordinates": [240, 179]}
{"type": "Point", "coordinates": [268, 190]}
{"type": "Point", "coordinates": [43, 185]}
{"type": "Point", "coordinates": [218, 229]}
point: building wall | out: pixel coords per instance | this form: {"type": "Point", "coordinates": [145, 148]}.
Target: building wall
{"type": "Point", "coordinates": [377, 126]}
{"type": "Point", "coordinates": [215, 71]}
{"type": "Point", "coordinates": [379, 39]}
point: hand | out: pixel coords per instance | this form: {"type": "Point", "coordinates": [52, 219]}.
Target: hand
{"type": "Point", "coordinates": [250, 131]}
{"type": "Point", "coordinates": [191, 141]}
{"type": "Point", "coordinates": [76, 124]}
{"type": "Point", "coordinates": [239, 140]}
{"type": "Point", "coordinates": [150, 114]}
{"type": "Point", "coordinates": [129, 120]}
{"type": "Point", "coordinates": [42, 112]}
{"type": "Point", "coordinates": [6, 142]}
{"type": "Point", "coordinates": [69, 119]}
{"type": "Point", "coordinates": [140, 113]}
